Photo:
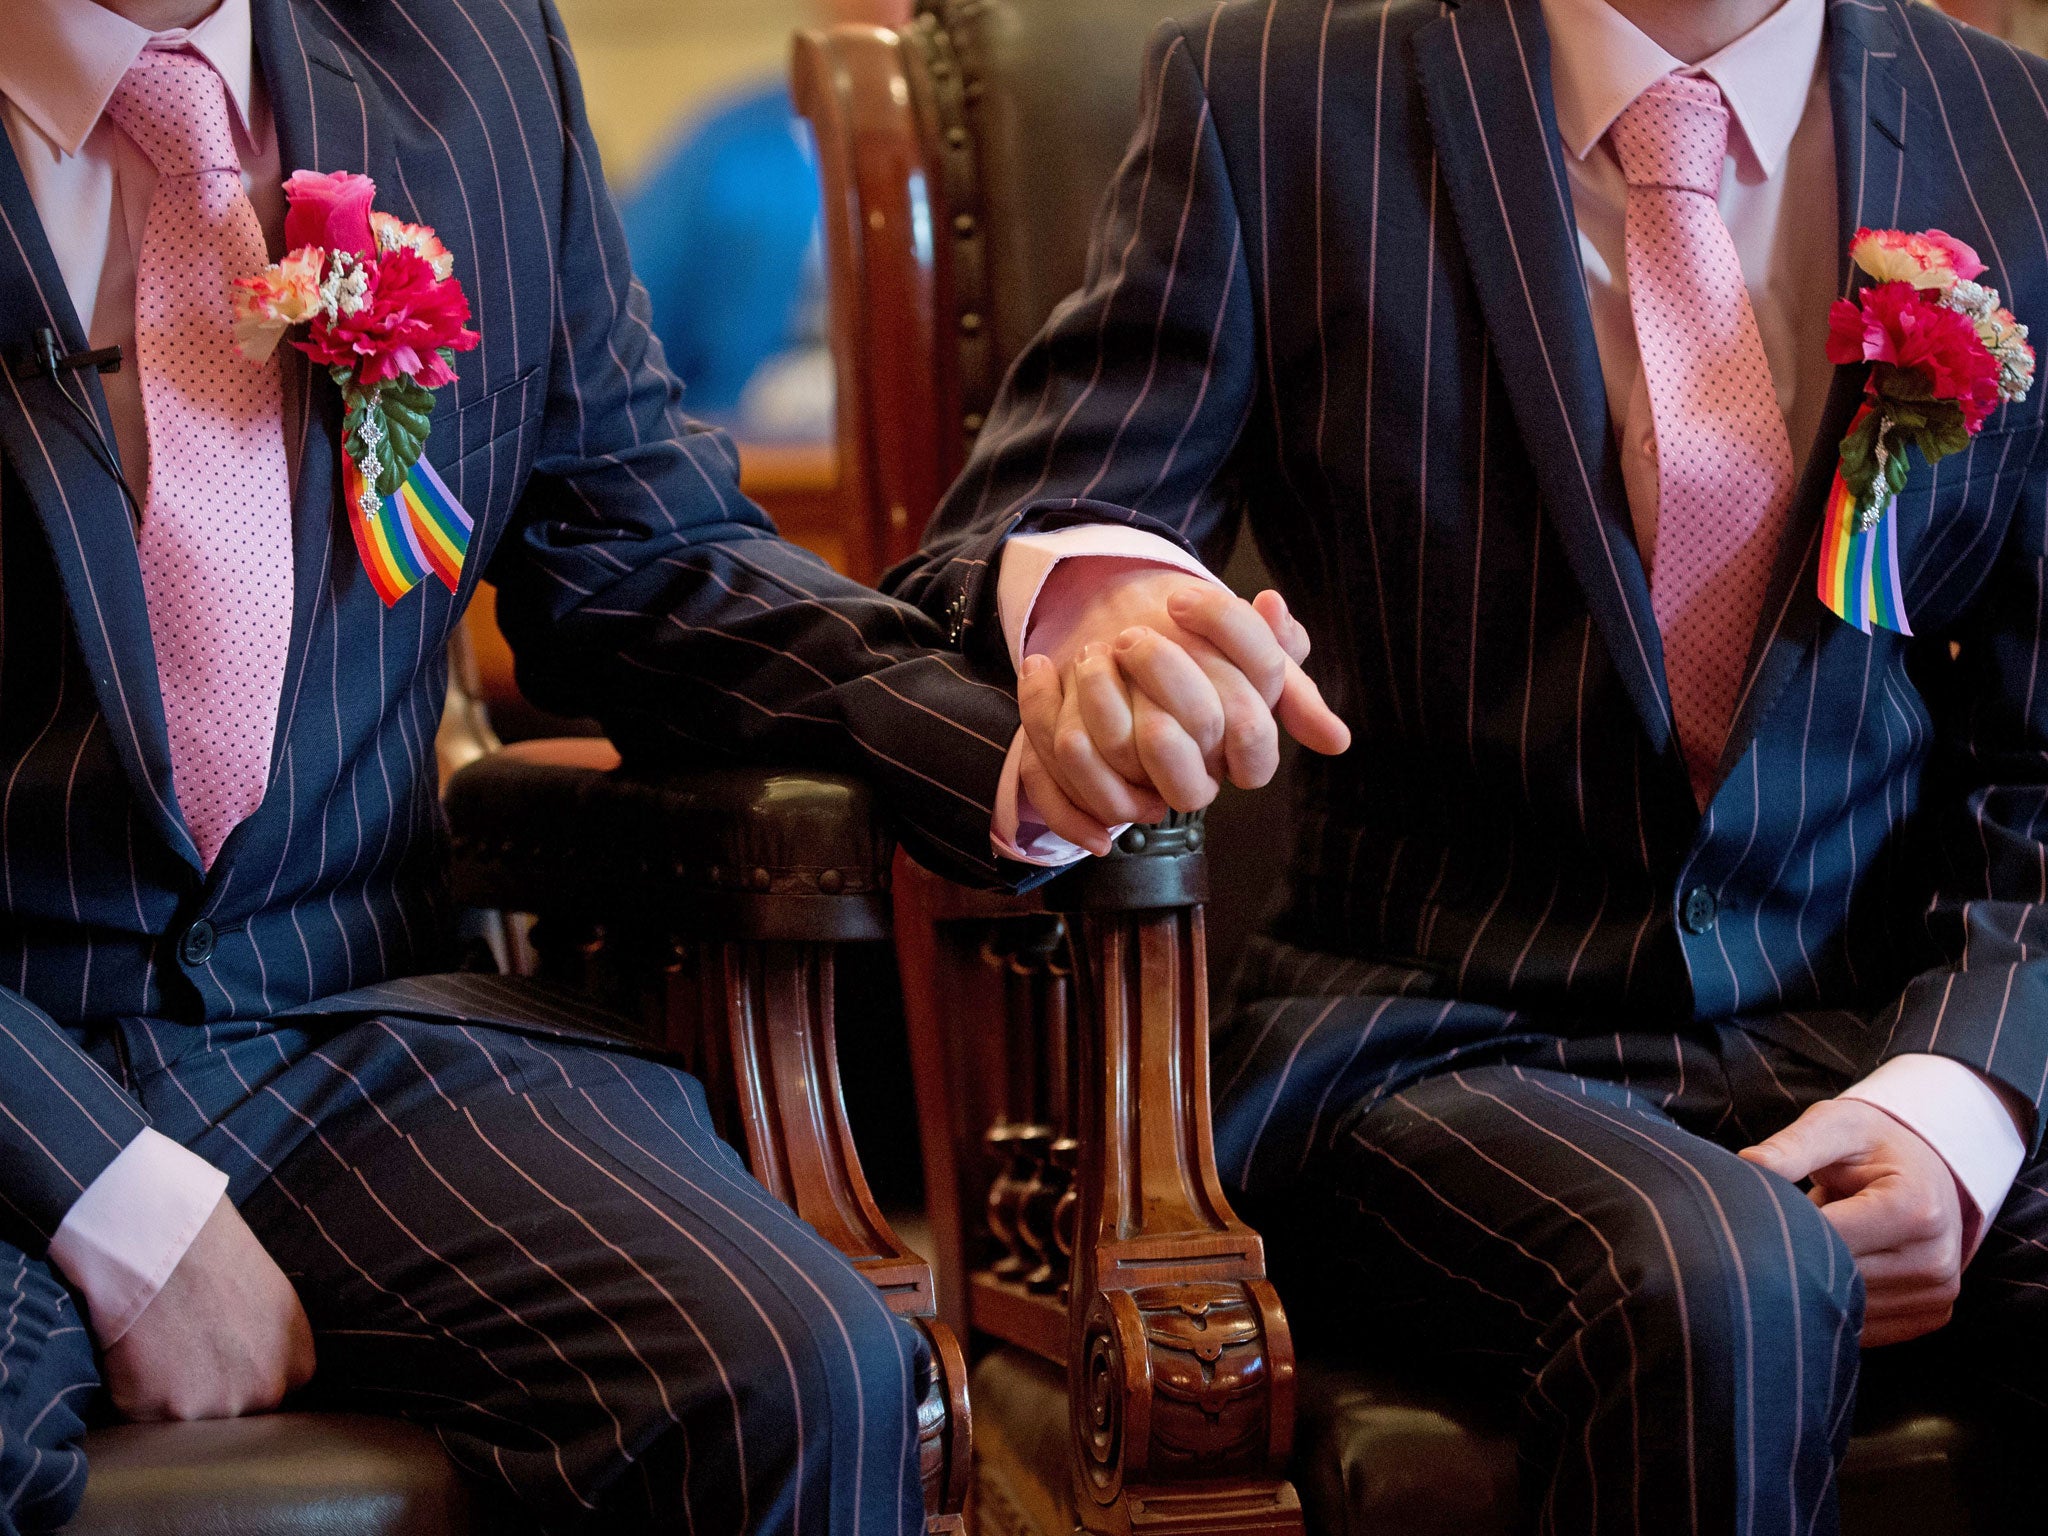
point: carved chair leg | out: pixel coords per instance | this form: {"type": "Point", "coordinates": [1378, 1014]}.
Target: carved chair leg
{"type": "Point", "coordinates": [945, 1434]}
{"type": "Point", "coordinates": [1180, 1368]}
{"type": "Point", "coordinates": [758, 1018]}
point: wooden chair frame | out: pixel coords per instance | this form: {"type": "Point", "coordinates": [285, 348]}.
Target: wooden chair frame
{"type": "Point", "coordinates": [1081, 1217]}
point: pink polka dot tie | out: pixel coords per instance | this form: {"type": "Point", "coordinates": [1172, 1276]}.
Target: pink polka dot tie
{"type": "Point", "coordinates": [1724, 461]}
{"type": "Point", "coordinates": [216, 536]}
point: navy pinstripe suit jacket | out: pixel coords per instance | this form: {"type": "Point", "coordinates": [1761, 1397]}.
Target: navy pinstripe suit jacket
{"type": "Point", "coordinates": [1336, 288]}
{"type": "Point", "coordinates": [636, 583]}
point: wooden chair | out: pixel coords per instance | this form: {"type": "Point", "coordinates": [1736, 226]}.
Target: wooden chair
{"type": "Point", "coordinates": [1134, 1369]}
{"type": "Point", "coordinates": [1061, 1042]}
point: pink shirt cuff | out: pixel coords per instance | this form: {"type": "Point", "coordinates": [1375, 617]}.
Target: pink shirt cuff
{"type": "Point", "coordinates": [1028, 560]}
{"type": "Point", "coordinates": [122, 1238]}
{"type": "Point", "coordinates": [1977, 1128]}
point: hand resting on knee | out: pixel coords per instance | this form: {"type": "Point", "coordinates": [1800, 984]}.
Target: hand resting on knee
{"type": "Point", "coordinates": [226, 1336]}
{"type": "Point", "coordinates": [1893, 1200]}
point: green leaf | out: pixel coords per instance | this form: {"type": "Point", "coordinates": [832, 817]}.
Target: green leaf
{"type": "Point", "coordinates": [385, 428]}
{"type": "Point", "coordinates": [1859, 458]}
{"type": "Point", "coordinates": [1944, 433]}
{"type": "Point", "coordinates": [1897, 383]}
{"type": "Point", "coordinates": [1896, 469]}
{"type": "Point", "coordinates": [408, 409]}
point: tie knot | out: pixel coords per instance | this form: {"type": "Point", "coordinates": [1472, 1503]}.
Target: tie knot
{"type": "Point", "coordinates": [1674, 135]}
{"type": "Point", "coordinates": [174, 105]}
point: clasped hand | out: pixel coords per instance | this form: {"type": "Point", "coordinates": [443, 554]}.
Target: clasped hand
{"type": "Point", "coordinates": [1154, 688]}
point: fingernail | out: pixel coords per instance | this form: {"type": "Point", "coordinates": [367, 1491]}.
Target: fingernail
{"type": "Point", "coordinates": [1033, 665]}
{"type": "Point", "coordinates": [1182, 600]}
{"type": "Point", "coordinates": [1130, 637]}
{"type": "Point", "coordinates": [1095, 650]}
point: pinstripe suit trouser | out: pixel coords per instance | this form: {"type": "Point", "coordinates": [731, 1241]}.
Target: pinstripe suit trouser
{"type": "Point", "coordinates": [1566, 1220]}
{"type": "Point", "coordinates": [539, 1249]}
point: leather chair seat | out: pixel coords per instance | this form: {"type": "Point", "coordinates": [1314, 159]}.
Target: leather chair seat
{"type": "Point", "coordinates": [740, 853]}
{"type": "Point", "coordinates": [287, 1474]}
{"type": "Point", "coordinates": [1375, 1454]}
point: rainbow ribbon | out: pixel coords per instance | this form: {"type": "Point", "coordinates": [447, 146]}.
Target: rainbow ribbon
{"type": "Point", "coordinates": [418, 530]}
{"type": "Point", "coordinates": [1859, 569]}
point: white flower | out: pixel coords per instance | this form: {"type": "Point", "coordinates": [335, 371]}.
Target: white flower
{"type": "Point", "coordinates": [345, 288]}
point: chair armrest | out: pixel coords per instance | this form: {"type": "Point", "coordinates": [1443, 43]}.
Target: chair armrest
{"type": "Point", "coordinates": [561, 829]}
{"type": "Point", "coordinates": [1151, 869]}
{"type": "Point", "coordinates": [1180, 1366]}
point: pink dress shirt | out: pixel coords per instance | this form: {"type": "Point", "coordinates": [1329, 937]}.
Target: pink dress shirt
{"type": "Point", "coordinates": [91, 186]}
{"type": "Point", "coordinates": [1778, 199]}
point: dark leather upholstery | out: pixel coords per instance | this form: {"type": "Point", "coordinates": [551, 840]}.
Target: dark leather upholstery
{"type": "Point", "coordinates": [288, 1474]}
{"type": "Point", "coordinates": [733, 853]}
{"type": "Point", "coordinates": [1375, 1454]}
{"type": "Point", "coordinates": [1057, 73]}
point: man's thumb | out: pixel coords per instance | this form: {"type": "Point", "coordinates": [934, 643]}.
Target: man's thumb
{"type": "Point", "coordinates": [1813, 1141]}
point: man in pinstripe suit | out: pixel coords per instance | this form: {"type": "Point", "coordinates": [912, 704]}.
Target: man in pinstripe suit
{"type": "Point", "coordinates": [1574, 977]}
{"type": "Point", "coordinates": [446, 1197]}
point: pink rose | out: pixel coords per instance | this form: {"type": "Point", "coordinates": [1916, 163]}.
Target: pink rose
{"type": "Point", "coordinates": [329, 209]}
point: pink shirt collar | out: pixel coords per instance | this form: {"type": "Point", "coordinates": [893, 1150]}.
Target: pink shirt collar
{"type": "Point", "coordinates": [1600, 61]}
{"type": "Point", "coordinates": [64, 57]}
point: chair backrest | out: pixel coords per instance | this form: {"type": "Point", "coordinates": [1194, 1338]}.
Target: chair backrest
{"type": "Point", "coordinates": [1049, 90]}
{"type": "Point", "coordinates": [963, 161]}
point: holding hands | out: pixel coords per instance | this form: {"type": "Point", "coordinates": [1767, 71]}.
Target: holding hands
{"type": "Point", "coordinates": [1149, 688]}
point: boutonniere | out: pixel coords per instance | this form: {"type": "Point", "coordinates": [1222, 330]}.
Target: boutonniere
{"type": "Point", "coordinates": [1944, 353]}
{"type": "Point", "coordinates": [375, 301]}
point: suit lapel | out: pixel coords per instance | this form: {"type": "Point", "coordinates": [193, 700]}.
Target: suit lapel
{"type": "Point", "coordinates": [83, 514]}
{"type": "Point", "coordinates": [1867, 95]}
{"type": "Point", "coordinates": [1485, 71]}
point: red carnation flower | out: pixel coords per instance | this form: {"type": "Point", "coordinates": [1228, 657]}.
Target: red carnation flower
{"type": "Point", "coordinates": [1895, 325]}
{"type": "Point", "coordinates": [407, 317]}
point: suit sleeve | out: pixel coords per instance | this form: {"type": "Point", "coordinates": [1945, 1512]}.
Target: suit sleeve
{"type": "Point", "coordinates": [1139, 403]}
{"type": "Point", "coordinates": [62, 1122]}
{"type": "Point", "coordinates": [1986, 1005]}
{"type": "Point", "coordinates": [639, 585]}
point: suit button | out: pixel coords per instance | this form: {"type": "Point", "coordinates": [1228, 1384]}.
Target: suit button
{"type": "Point", "coordinates": [198, 944]}
{"type": "Point", "coordinates": [1700, 910]}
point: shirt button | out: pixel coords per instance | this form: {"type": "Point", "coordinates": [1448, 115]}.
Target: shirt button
{"type": "Point", "coordinates": [1700, 910]}
{"type": "Point", "coordinates": [198, 944]}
